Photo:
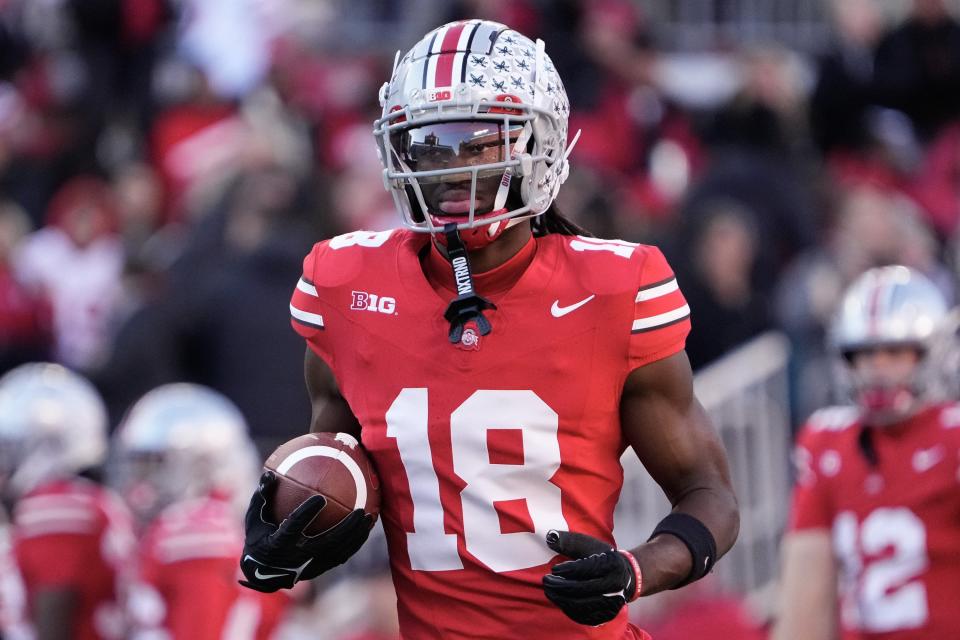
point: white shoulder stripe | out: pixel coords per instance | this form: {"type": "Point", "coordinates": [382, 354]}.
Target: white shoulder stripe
{"type": "Point", "coordinates": [658, 291]}
{"type": "Point", "coordinates": [54, 514]}
{"type": "Point", "coordinates": [307, 288]}
{"type": "Point", "coordinates": [652, 322]}
{"type": "Point", "coordinates": [305, 316]}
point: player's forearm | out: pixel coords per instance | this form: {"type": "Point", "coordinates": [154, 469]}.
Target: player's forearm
{"type": "Point", "coordinates": [666, 561]}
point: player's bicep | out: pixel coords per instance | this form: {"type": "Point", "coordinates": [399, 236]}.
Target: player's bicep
{"type": "Point", "coordinates": [667, 427]}
{"type": "Point", "coordinates": [330, 412]}
{"type": "Point", "coordinates": [670, 432]}
{"type": "Point", "coordinates": [808, 590]}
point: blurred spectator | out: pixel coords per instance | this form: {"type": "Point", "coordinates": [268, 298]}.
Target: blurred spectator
{"type": "Point", "coordinates": [209, 37]}
{"type": "Point", "coordinates": [719, 282]}
{"type": "Point", "coordinates": [938, 182]}
{"type": "Point", "coordinates": [139, 200]}
{"type": "Point", "coordinates": [24, 317]}
{"type": "Point", "coordinates": [605, 54]}
{"type": "Point", "coordinates": [844, 89]}
{"type": "Point", "coordinates": [918, 67]}
{"type": "Point", "coordinates": [768, 114]}
{"type": "Point", "coordinates": [76, 261]}
{"type": "Point", "coordinates": [194, 140]}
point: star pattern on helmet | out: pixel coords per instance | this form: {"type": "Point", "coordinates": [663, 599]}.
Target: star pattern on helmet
{"type": "Point", "coordinates": [527, 53]}
{"type": "Point", "coordinates": [499, 85]}
{"type": "Point", "coordinates": [551, 89]}
{"type": "Point", "coordinates": [510, 40]}
{"type": "Point", "coordinates": [506, 51]}
{"type": "Point", "coordinates": [523, 64]}
{"type": "Point", "coordinates": [501, 65]}
{"type": "Point", "coordinates": [479, 61]}
{"type": "Point", "coordinates": [517, 82]}
{"type": "Point", "coordinates": [546, 180]}
{"type": "Point", "coordinates": [478, 80]}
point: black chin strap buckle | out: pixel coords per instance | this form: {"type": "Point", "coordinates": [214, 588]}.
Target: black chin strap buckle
{"type": "Point", "coordinates": [468, 305]}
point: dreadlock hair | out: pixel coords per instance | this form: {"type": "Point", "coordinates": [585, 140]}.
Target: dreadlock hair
{"type": "Point", "coordinates": [552, 221]}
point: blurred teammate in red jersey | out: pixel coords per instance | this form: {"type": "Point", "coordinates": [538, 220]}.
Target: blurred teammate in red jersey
{"type": "Point", "coordinates": [71, 536]}
{"type": "Point", "coordinates": [181, 452]}
{"type": "Point", "coordinates": [496, 362]}
{"type": "Point", "coordinates": [873, 550]}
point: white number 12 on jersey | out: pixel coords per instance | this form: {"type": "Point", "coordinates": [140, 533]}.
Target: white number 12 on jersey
{"type": "Point", "coordinates": [429, 546]}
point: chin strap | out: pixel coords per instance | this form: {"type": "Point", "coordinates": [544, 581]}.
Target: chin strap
{"type": "Point", "coordinates": [467, 305]}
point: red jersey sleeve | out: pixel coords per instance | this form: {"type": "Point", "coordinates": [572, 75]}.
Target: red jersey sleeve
{"type": "Point", "coordinates": [661, 317]}
{"type": "Point", "coordinates": [306, 308]}
{"type": "Point", "coordinates": [810, 507]}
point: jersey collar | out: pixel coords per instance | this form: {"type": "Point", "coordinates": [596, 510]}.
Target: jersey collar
{"type": "Point", "coordinates": [489, 283]}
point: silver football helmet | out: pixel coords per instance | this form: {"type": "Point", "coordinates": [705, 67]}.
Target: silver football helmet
{"type": "Point", "coordinates": [889, 307]}
{"type": "Point", "coordinates": [53, 424]}
{"type": "Point", "coordinates": [468, 109]}
{"type": "Point", "coordinates": [181, 441]}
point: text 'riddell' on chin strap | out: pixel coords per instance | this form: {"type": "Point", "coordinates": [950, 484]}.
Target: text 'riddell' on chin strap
{"type": "Point", "coordinates": [467, 305]}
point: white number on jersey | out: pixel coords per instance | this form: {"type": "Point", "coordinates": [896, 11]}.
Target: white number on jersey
{"type": "Point", "coordinates": [429, 547]}
{"type": "Point", "coordinates": [882, 595]}
{"type": "Point", "coordinates": [370, 239]}
{"type": "Point", "coordinates": [621, 248]}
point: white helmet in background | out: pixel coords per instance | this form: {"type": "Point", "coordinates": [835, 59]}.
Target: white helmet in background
{"type": "Point", "coordinates": [53, 424]}
{"type": "Point", "coordinates": [479, 104]}
{"type": "Point", "coordinates": [181, 441]}
{"type": "Point", "coordinates": [895, 306]}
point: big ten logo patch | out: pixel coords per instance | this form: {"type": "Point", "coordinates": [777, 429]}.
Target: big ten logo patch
{"type": "Point", "coordinates": [363, 301]}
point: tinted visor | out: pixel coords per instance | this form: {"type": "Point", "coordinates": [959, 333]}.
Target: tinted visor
{"type": "Point", "coordinates": [454, 145]}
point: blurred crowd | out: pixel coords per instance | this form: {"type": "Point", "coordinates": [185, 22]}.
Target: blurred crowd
{"type": "Point", "coordinates": [166, 164]}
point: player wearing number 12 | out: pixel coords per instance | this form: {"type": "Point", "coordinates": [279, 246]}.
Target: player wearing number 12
{"type": "Point", "coordinates": [874, 547]}
{"type": "Point", "coordinates": [496, 361]}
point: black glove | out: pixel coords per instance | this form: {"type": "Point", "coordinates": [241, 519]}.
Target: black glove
{"type": "Point", "coordinates": [276, 557]}
{"type": "Point", "coordinates": [593, 587]}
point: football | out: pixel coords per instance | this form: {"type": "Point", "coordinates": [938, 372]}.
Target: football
{"type": "Point", "coordinates": [333, 465]}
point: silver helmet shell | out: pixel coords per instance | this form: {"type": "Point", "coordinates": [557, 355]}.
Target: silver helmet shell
{"type": "Point", "coordinates": [477, 70]}
{"type": "Point", "coordinates": [888, 306]}
{"type": "Point", "coordinates": [895, 306]}
{"type": "Point", "coordinates": [181, 441]}
{"type": "Point", "coordinates": [53, 424]}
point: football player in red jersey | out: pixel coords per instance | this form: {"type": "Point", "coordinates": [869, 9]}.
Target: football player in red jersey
{"type": "Point", "coordinates": [71, 536]}
{"type": "Point", "coordinates": [873, 549]}
{"type": "Point", "coordinates": [496, 361]}
{"type": "Point", "coordinates": [181, 452]}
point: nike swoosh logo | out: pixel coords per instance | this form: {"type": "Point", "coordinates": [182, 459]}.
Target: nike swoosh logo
{"type": "Point", "coordinates": [267, 576]}
{"type": "Point", "coordinates": [558, 312]}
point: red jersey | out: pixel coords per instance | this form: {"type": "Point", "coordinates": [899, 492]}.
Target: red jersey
{"type": "Point", "coordinates": [485, 445]}
{"type": "Point", "coordinates": [187, 577]}
{"type": "Point", "coordinates": [74, 534]}
{"type": "Point", "coordinates": [895, 526]}
{"type": "Point", "coordinates": [14, 623]}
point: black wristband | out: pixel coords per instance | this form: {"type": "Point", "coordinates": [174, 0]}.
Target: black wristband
{"type": "Point", "coordinates": [698, 539]}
